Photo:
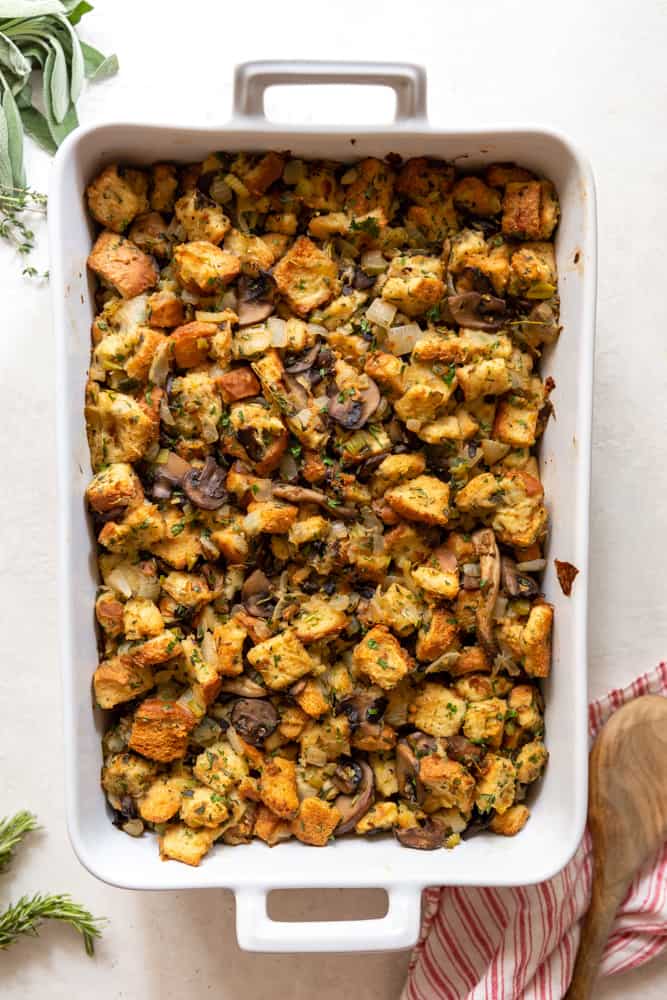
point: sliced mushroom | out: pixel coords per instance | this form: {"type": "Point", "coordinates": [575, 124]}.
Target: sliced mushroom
{"type": "Point", "coordinates": [407, 772]}
{"type": "Point", "coordinates": [489, 561]}
{"type": "Point", "coordinates": [364, 712]}
{"type": "Point", "coordinates": [478, 825]}
{"type": "Point", "coordinates": [350, 408]}
{"type": "Point", "coordinates": [422, 838]}
{"type": "Point", "coordinates": [347, 776]}
{"type": "Point", "coordinates": [243, 686]}
{"type": "Point", "coordinates": [169, 474]}
{"type": "Point", "coordinates": [300, 494]}
{"type": "Point", "coordinates": [256, 595]}
{"type": "Point", "coordinates": [476, 311]}
{"type": "Point", "coordinates": [514, 583]}
{"type": "Point", "coordinates": [353, 807]}
{"type": "Point", "coordinates": [254, 719]}
{"type": "Point", "coordinates": [255, 298]}
{"type": "Point", "coordinates": [205, 487]}
{"type": "Point", "coordinates": [301, 362]}
{"type": "Point", "coordinates": [464, 751]}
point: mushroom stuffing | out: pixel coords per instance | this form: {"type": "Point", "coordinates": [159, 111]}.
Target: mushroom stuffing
{"type": "Point", "coordinates": [313, 408]}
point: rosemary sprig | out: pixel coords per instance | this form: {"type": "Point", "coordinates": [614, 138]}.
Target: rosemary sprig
{"type": "Point", "coordinates": [12, 831]}
{"type": "Point", "coordinates": [25, 916]}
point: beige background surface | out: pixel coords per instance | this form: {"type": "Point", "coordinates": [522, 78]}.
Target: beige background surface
{"type": "Point", "coordinates": [596, 70]}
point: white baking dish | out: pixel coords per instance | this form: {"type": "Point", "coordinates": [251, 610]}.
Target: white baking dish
{"type": "Point", "coordinates": [559, 806]}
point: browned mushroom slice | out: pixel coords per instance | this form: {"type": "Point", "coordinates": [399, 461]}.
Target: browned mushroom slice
{"type": "Point", "coordinates": [301, 362]}
{"type": "Point", "coordinates": [256, 595]}
{"type": "Point", "coordinates": [364, 712]}
{"type": "Point", "coordinates": [489, 562]}
{"type": "Point", "coordinates": [422, 838]}
{"type": "Point", "coordinates": [476, 311]}
{"type": "Point", "coordinates": [353, 807]}
{"type": "Point", "coordinates": [243, 686]}
{"type": "Point", "coordinates": [347, 776]}
{"type": "Point", "coordinates": [300, 494]}
{"type": "Point", "coordinates": [464, 751]}
{"type": "Point", "coordinates": [514, 583]}
{"type": "Point", "coordinates": [254, 719]}
{"type": "Point", "coordinates": [169, 474]}
{"type": "Point", "coordinates": [205, 487]}
{"type": "Point", "coordinates": [255, 298]}
{"type": "Point", "coordinates": [352, 408]}
{"type": "Point", "coordinates": [407, 772]}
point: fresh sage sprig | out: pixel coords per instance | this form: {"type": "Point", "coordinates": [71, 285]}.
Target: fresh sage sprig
{"type": "Point", "coordinates": [26, 915]}
{"type": "Point", "coordinates": [38, 36]}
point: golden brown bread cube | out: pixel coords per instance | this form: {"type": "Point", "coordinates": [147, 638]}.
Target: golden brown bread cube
{"type": "Point", "coordinates": [116, 196]}
{"type": "Point", "coordinates": [163, 798]}
{"type": "Point", "coordinates": [150, 233]}
{"type": "Point", "coordinates": [271, 828]}
{"type": "Point", "coordinates": [476, 197]}
{"type": "Point", "coordinates": [485, 721]}
{"type": "Point", "coordinates": [122, 265]}
{"type": "Point", "coordinates": [306, 276]}
{"type": "Point", "coordinates": [450, 781]}
{"type": "Point", "coordinates": [531, 761]}
{"type": "Point", "coordinates": [161, 729]}
{"type": "Point", "coordinates": [424, 499]}
{"type": "Point", "coordinates": [164, 309]}
{"type": "Point", "coordinates": [116, 487]}
{"type": "Point", "coordinates": [164, 183]}
{"type": "Point", "coordinates": [180, 843]}
{"type": "Point", "coordinates": [536, 641]}
{"type": "Point", "coordinates": [229, 638]}
{"type": "Point", "coordinates": [530, 210]}
{"type": "Point", "coordinates": [120, 679]}
{"type": "Point", "coordinates": [141, 618]}
{"type": "Point", "coordinates": [381, 658]}
{"type": "Point", "coordinates": [496, 785]}
{"type": "Point", "coordinates": [277, 787]}
{"type": "Point", "coordinates": [281, 660]}
{"type": "Point", "coordinates": [127, 774]}
{"type": "Point", "coordinates": [414, 284]}
{"type": "Point", "coordinates": [201, 218]}
{"type": "Point", "coordinates": [203, 807]}
{"type": "Point", "coordinates": [316, 822]}
{"type": "Point", "coordinates": [220, 767]}
{"type": "Point", "coordinates": [202, 267]}
{"type": "Point", "coordinates": [437, 710]}
{"type": "Point", "coordinates": [510, 822]}
{"type": "Point", "coordinates": [438, 636]}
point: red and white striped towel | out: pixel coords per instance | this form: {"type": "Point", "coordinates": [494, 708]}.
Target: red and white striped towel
{"type": "Point", "coordinates": [507, 944]}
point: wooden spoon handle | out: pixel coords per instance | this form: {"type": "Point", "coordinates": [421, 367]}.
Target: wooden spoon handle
{"type": "Point", "coordinates": [605, 901]}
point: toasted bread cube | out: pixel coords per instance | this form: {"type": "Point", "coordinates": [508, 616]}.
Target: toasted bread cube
{"type": "Point", "coordinates": [201, 218]}
{"type": "Point", "coordinates": [536, 641]}
{"type": "Point", "coordinates": [180, 843]}
{"type": "Point", "coordinates": [139, 529]}
{"type": "Point", "coordinates": [424, 181]}
{"type": "Point", "coordinates": [384, 772]}
{"type": "Point", "coordinates": [381, 658]}
{"type": "Point", "coordinates": [515, 425]}
{"type": "Point", "coordinates": [496, 786]}
{"type": "Point", "coordinates": [115, 197]}
{"type": "Point", "coordinates": [501, 174]}
{"type": "Point", "coordinates": [467, 248]}
{"type": "Point", "coordinates": [202, 267]}
{"type": "Point", "coordinates": [396, 469]}
{"type": "Point", "coordinates": [386, 370]}
{"type": "Point", "coordinates": [438, 636]}
{"type": "Point", "coordinates": [293, 721]}
{"type": "Point", "coordinates": [187, 589]}
{"type": "Point", "coordinates": [311, 699]}
{"type": "Point", "coordinates": [164, 178]}
{"type": "Point", "coordinates": [530, 210]}
{"type": "Point", "coordinates": [485, 721]}
{"type": "Point", "coordinates": [122, 265]}
{"type": "Point", "coordinates": [372, 187]}
{"type": "Point", "coordinates": [437, 710]}
{"type": "Point", "coordinates": [220, 767]}
{"type": "Point", "coordinates": [511, 822]}
{"type": "Point", "coordinates": [420, 402]}
{"type": "Point", "coordinates": [310, 529]}
{"type": "Point", "coordinates": [114, 488]}
{"type": "Point", "coordinates": [240, 383]}
{"type": "Point", "coordinates": [150, 233]}
{"type": "Point", "coordinates": [398, 608]}
{"type": "Point", "coordinates": [180, 547]}
{"type": "Point", "coordinates": [161, 730]}
{"type": "Point", "coordinates": [191, 342]}
{"type": "Point", "coordinates": [262, 175]}
{"type": "Point", "coordinates": [229, 639]}
{"type": "Point", "coordinates": [476, 197]}
{"type": "Point", "coordinates": [531, 761]}
{"type": "Point", "coordinates": [277, 787]}
{"type": "Point", "coordinates": [141, 619]}
{"type": "Point", "coordinates": [485, 378]}
{"type": "Point", "coordinates": [200, 671]}
{"type": "Point", "coordinates": [414, 284]}
{"type": "Point", "coordinates": [439, 575]}
{"type": "Point", "coordinates": [533, 271]}
{"type": "Point", "coordinates": [281, 660]}
{"type": "Point", "coordinates": [118, 428]}
{"type": "Point", "coordinates": [159, 649]}
{"type": "Point", "coordinates": [126, 774]}
{"type": "Point", "coordinates": [306, 276]}
{"type": "Point", "coordinates": [316, 822]}
{"type": "Point", "coordinates": [271, 828]}
{"type": "Point", "coordinates": [380, 816]}
{"type": "Point", "coordinates": [515, 500]}
{"type": "Point", "coordinates": [424, 499]}
{"type": "Point", "coordinates": [318, 619]}
{"type": "Point", "coordinates": [203, 807]}
{"type": "Point", "coordinates": [109, 613]}
{"type": "Point", "coordinates": [163, 798]}
{"type": "Point", "coordinates": [472, 659]}
{"type": "Point", "coordinates": [164, 309]}
{"type": "Point", "coordinates": [474, 688]}
{"type": "Point", "coordinates": [231, 541]}
{"type": "Point", "coordinates": [120, 679]}
{"type": "Point", "coordinates": [270, 517]}
{"type": "Point", "coordinates": [450, 781]}
{"type": "Point", "coordinates": [330, 736]}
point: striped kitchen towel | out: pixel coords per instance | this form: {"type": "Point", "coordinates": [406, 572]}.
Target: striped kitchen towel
{"type": "Point", "coordinates": [506, 944]}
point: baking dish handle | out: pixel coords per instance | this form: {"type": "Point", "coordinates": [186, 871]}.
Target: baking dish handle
{"type": "Point", "coordinates": [407, 80]}
{"type": "Point", "coordinates": [399, 928]}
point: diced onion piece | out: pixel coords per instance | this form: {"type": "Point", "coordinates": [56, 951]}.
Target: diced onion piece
{"type": "Point", "coordinates": [443, 662]}
{"type": "Point", "coordinates": [494, 451]}
{"type": "Point", "coordinates": [118, 579]}
{"type": "Point", "coordinates": [252, 523]}
{"type": "Point", "coordinates": [317, 329]}
{"type": "Point", "coordinates": [314, 755]}
{"type": "Point", "coordinates": [208, 548]}
{"type": "Point", "coordinates": [499, 608]}
{"type": "Point", "coordinates": [237, 185]}
{"type": "Point", "coordinates": [532, 566]}
{"type": "Point", "coordinates": [304, 417]}
{"type": "Point", "coordinates": [193, 703]}
{"type": "Point", "coordinates": [372, 262]}
{"type": "Point", "coordinates": [220, 191]}
{"type": "Point", "coordinates": [472, 569]}
{"type": "Point", "coordinates": [381, 312]}
{"type": "Point", "coordinates": [159, 369]}
{"type": "Point", "coordinates": [234, 740]}
{"type": "Point", "coordinates": [338, 529]}
{"type": "Point", "coordinates": [166, 415]}
{"type": "Point", "coordinates": [402, 339]}
{"type": "Point", "coordinates": [189, 297]}
{"type": "Point", "coordinates": [234, 578]}
{"type": "Point", "coordinates": [288, 468]}
{"type": "Point", "coordinates": [278, 330]}
{"type": "Point", "coordinates": [340, 602]}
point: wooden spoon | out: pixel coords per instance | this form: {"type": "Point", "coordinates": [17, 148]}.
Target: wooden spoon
{"type": "Point", "coordinates": [627, 817]}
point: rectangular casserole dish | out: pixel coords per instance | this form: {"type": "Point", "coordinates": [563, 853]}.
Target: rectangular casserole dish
{"type": "Point", "coordinates": [559, 807]}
